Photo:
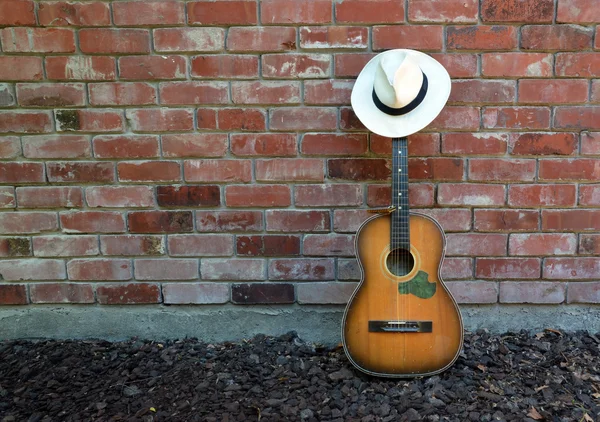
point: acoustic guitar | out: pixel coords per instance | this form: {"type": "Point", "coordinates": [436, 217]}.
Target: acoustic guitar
{"type": "Point", "coordinates": [401, 320]}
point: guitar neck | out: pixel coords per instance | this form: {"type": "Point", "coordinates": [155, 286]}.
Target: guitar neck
{"type": "Point", "coordinates": [400, 233]}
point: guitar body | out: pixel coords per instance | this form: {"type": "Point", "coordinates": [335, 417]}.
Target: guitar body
{"type": "Point", "coordinates": [401, 325]}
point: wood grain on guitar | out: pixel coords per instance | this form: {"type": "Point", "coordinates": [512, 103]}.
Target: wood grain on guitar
{"type": "Point", "coordinates": [401, 320]}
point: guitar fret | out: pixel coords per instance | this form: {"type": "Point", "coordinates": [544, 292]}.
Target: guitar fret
{"type": "Point", "coordinates": [399, 233]}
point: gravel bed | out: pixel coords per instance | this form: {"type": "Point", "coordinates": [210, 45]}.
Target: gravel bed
{"type": "Point", "coordinates": [547, 376]}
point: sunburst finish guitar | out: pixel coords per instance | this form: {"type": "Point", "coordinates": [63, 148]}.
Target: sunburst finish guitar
{"type": "Point", "coordinates": [401, 321]}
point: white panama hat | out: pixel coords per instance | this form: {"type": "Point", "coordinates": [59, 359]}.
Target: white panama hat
{"type": "Point", "coordinates": [399, 92]}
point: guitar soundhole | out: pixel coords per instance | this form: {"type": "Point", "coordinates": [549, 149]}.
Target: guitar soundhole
{"type": "Point", "coordinates": [400, 262]}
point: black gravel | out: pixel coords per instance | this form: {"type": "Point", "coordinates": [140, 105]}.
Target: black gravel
{"type": "Point", "coordinates": [549, 376]}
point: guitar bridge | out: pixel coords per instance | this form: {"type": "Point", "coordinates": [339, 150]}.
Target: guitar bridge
{"type": "Point", "coordinates": [400, 326]}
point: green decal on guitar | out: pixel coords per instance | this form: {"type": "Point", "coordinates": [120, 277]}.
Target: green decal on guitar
{"type": "Point", "coordinates": [418, 286]}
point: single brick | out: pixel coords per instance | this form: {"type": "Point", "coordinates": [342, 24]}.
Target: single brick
{"type": "Point", "coordinates": [126, 146]}
{"type": "Point", "coordinates": [28, 222]}
{"type": "Point", "coordinates": [516, 117]}
{"type": "Point", "coordinates": [152, 67]}
{"type": "Point", "coordinates": [262, 293]}
{"type": "Point", "coordinates": [160, 221]}
{"type": "Point", "coordinates": [337, 194]}
{"type": "Point", "coordinates": [420, 37]}
{"type": "Point", "coordinates": [369, 11]}
{"type": "Point", "coordinates": [92, 222]}
{"type": "Point", "coordinates": [149, 171]}
{"type": "Point", "coordinates": [166, 269]}
{"type": "Point", "coordinates": [483, 91]}
{"type": "Point", "coordinates": [457, 118]}
{"type": "Point", "coordinates": [261, 39]}
{"type": "Point", "coordinates": [32, 269]}
{"type": "Point", "coordinates": [546, 195]}
{"type": "Point", "coordinates": [297, 221]}
{"type": "Point", "coordinates": [219, 170]}
{"type": "Point", "coordinates": [577, 11]}
{"type": "Point", "coordinates": [146, 13]}
{"type": "Point", "coordinates": [506, 220]}
{"type": "Point", "coordinates": [457, 268]}
{"type": "Point", "coordinates": [481, 37]}
{"type": "Point", "coordinates": [290, 169]}
{"type": "Point", "coordinates": [338, 37]}
{"type": "Point", "coordinates": [267, 245]}
{"type": "Point", "coordinates": [193, 40]}
{"type": "Point", "coordinates": [132, 245]}
{"type": "Point", "coordinates": [543, 143]}
{"type": "Point", "coordinates": [200, 245]}
{"type": "Point", "coordinates": [229, 221]}
{"type": "Point", "coordinates": [325, 293]}
{"type": "Point", "coordinates": [499, 169]}
{"type": "Point", "coordinates": [542, 91]}
{"type": "Point", "coordinates": [579, 268]}
{"type": "Point", "coordinates": [122, 93]}
{"type": "Point", "coordinates": [578, 169]}
{"type": "Point", "coordinates": [471, 194]}
{"type": "Point", "coordinates": [571, 220]}
{"type": "Point", "coordinates": [188, 196]}
{"type": "Point", "coordinates": [19, 12]}
{"type": "Point", "coordinates": [258, 196]}
{"type": "Point", "coordinates": [349, 221]}
{"type": "Point", "coordinates": [61, 293]}
{"type": "Point", "coordinates": [194, 145]}
{"type": "Point", "coordinates": [532, 292]}
{"type": "Point", "coordinates": [328, 245]}
{"type": "Point", "coordinates": [51, 95]}
{"type": "Point", "coordinates": [23, 121]}
{"type": "Point", "coordinates": [299, 11]}
{"type": "Point", "coordinates": [556, 37]}
{"type": "Point", "coordinates": [263, 144]}
{"type": "Point", "coordinates": [303, 66]}
{"type": "Point", "coordinates": [224, 66]}
{"type": "Point", "coordinates": [56, 146]}
{"type": "Point", "coordinates": [474, 292]}
{"type": "Point", "coordinates": [535, 11]}
{"type": "Point", "coordinates": [333, 91]}
{"type": "Point", "coordinates": [476, 244]}
{"type": "Point", "coordinates": [7, 197]}
{"type": "Point", "coordinates": [182, 93]}
{"type": "Point", "coordinates": [99, 269]}
{"type": "Point", "coordinates": [13, 294]}
{"type": "Point", "coordinates": [89, 120]}
{"type": "Point", "coordinates": [301, 269]}
{"type": "Point", "coordinates": [59, 246]}
{"type": "Point", "coordinates": [15, 173]}
{"type": "Point", "coordinates": [222, 12]}
{"type": "Point", "coordinates": [443, 11]}
{"type": "Point", "coordinates": [475, 143]}
{"type": "Point", "coordinates": [536, 244]}
{"type": "Point", "coordinates": [195, 293]}
{"type": "Point", "coordinates": [359, 169]}
{"type": "Point", "coordinates": [577, 117]}
{"type": "Point", "coordinates": [80, 68]}
{"type": "Point", "coordinates": [67, 13]}
{"type": "Point", "coordinates": [80, 172]}
{"type": "Point", "coordinates": [15, 246]}
{"type": "Point", "coordinates": [120, 196]}
{"type": "Point", "coordinates": [37, 40]}
{"type": "Point", "coordinates": [266, 92]}
{"type": "Point", "coordinates": [128, 293]}
{"type": "Point", "coordinates": [586, 292]}
{"type": "Point", "coordinates": [512, 65]}
{"type": "Point", "coordinates": [114, 41]}
{"type": "Point", "coordinates": [232, 269]}
{"type": "Point", "coordinates": [507, 268]}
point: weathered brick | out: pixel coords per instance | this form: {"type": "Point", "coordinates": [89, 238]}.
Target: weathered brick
{"type": "Point", "coordinates": [589, 195]}
{"type": "Point", "coordinates": [419, 37]}
{"type": "Point", "coordinates": [475, 143]}
{"type": "Point", "coordinates": [99, 269]}
{"type": "Point", "coordinates": [229, 221]}
{"type": "Point", "coordinates": [498, 169]}
{"type": "Point", "coordinates": [32, 269]}
{"type": "Point", "coordinates": [577, 117]}
{"type": "Point", "coordinates": [457, 268]}
{"type": "Point", "coordinates": [268, 245]}
{"type": "Point", "coordinates": [131, 245]}
{"type": "Point", "coordinates": [577, 11]}
{"type": "Point", "coordinates": [80, 172]}
{"type": "Point", "coordinates": [222, 12]}
{"type": "Point", "coordinates": [483, 91]}
{"type": "Point", "coordinates": [21, 68]}
{"type": "Point", "coordinates": [10, 147]}
{"type": "Point", "coordinates": [61, 293]}
{"type": "Point", "coordinates": [20, 12]}
{"type": "Point", "coordinates": [580, 268]}
{"type": "Point", "coordinates": [119, 196]}
{"type": "Point", "coordinates": [350, 64]}
{"type": "Point", "coordinates": [78, 68]}
{"type": "Point", "coordinates": [301, 269]}
{"type": "Point", "coordinates": [543, 143]}
{"type": "Point", "coordinates": [571, 220]}
{"type": "Point", "coordinates": [334, 144]}
{"type": "Point", "coordinates": [436, 168]}
{"type": "Point", "coordinates": [160, 221]}
{"type": "Point", "coordinates": [419, 144]}
{"type": "Point", "coordinates": [232, 269]}
{"type": "Point", "coordinates": [297, 221]}
{"type": "Point", "coordinates": [337, 194]}
{"type": "Point", "coordinates": [188, 196]}
{"type": "Point", "coordinates": [359, 168]}
{"type": "Point", "coordinates": [13, 294]}
{"type": "Point", "coordinates": [299, 11]}
{"type": "Point", "coordinates": [516, 117]}
{"type": "Point", "coordinates": [200, 245]}
{"type": "Point", "coordinates": [481, 37]}
{"type": "Point", "coordinates": [195, 293]}
{"type": "Point", "coordinates": [149, 171]}
{"type": "Point", "coordinates": [472, 194]}
{"type": "Point", "coordinates": [57, 246]}
{"type": "Point", "coordinates": [56, 146]}
{"type": "Point", "coordinates": [260, 293]}
{"type": "Point", "coordinates": [586, 292]}
{"type": "Point", "coordinates": [86, 120]}
{"type": "Point", "coordinates": [218, 170]}
{"type": "Point", "coordinates": [303, 118]}
{"type": "Point", "coordinates": [290, 169]}
{"type": "Point", "coordinates": [579, 169]}
{"type": "Point", "coordinates": [146, 13]}
{"type": "Point", "coordinates": [556, 37]}
{"type": "Point", "coordinates": [152, 67]}
{"type": "Point", "coordinates": [7, 197]}
{"type": "Point", "coordinates": [451, 219]}
{"type": "Point", "coordinates": [476, 244]}
{"type": "Point", "coordinates": [15, 246]}
{"type": "Point", "coordinates": [333, 91]}
{"type": "Point", "coordinates": [28, 222]}
{"type": "Point", "coordinates": [128, 293]}
{"type": "Point", "coordinates": [528, 65]}
{"type": "Point", "coordinates": [92, 222]}
{"type": "Point", "coordinates": [266, 92]}
{"type": "Point", "coordinates": [532, 292]}
{"type": "Point", "coordinates": [506, 220]}
{"type": "Point", "coordinates": [21, 172]}
{"type": "Point", "coordinates": [542, 91]}
{"type": "Point", "coordinates": [508, 268]}
{"type": "Point", "coordinates": [182, 93]}
{"type": "Point", "coordinates": [369, 11]}
{"type": "Point", "coordinates": [443, 11]}
{"type": "Point", "coordinates": [580, 64]}
{"type": "Point", "coordinates": [420, 195]}
{"type": "Point", "coordinates": [457, 118]}
{"type": "Point", "coordinates": [111, 41]}
{"type": "Point", "coordinates": [546, 195]}
{"type": "Point", "coordinates": [160, 120]}
{"type": "Point", "coordinates": [122, 93]}
{"type": "Point", "coordinates": [349, 221]}
{"type": "Point", "coordinates": [258, 196]}
{"type": "Point", "coordinates": [263, 144]}
{"type": "Point", "coordinates": [195, 40]}
{"type": "Point", "coordinates": [589, 244]}
{"type": "Point", "coordinates": [542, 244]}
{"type": "Point", "coordinates": [474, 292]}
{"type": "Point", "coordinates": [325, 293]}
{"type": "Point", "coordinates": [537, 11]}
{"type": "Point", "coordinates": [51, 95]}
{"type": "Point", "coordinates": [37, 40]}
{"type": "Point", "coordinates": [243, 119]}
{"type": "Point", "coordinates": [349, 121]}
{"type": "Point", "coordinates": [304, 66]}
{"type": "Point", "coordinates": [23, 121]}
{"type": "Point", "coordinates": [166, 269]}
{"type": "Point", "coordinates": [261, 39]}
{"type": "Point", "coordinates": [126, 146]}
{"type": "Point", "coordinates": [348, 269]}
{"type": "Point", "coordinates": [224, 66]}
{"type": "Point", "coordinates": [67, 13]}
{"type": "Point", "coordinates": [328, 245]}
{"type": "Point", "coordinates": [459, 65]}
{"type": "Point", "coordinates": [194, 145]}
{"type": "Point", "coordinates": [338, 37]}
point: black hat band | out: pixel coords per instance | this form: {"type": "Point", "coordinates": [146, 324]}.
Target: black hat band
{"type": "Point", "coordinates": [407, 108]}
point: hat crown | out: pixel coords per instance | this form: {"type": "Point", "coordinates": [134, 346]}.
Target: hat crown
{"type": "Point", "coordinates": [398, 80]}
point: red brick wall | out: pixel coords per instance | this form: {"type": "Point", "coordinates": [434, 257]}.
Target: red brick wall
{"type": "Point", "coordinates": [205, 151]}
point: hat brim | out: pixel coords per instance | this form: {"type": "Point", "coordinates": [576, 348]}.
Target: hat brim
{"type": "Point", "coordinates": [383, 124]}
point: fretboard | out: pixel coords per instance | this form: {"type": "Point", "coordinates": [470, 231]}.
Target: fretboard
{"type": "Point", "coordinates": [400, 234]}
